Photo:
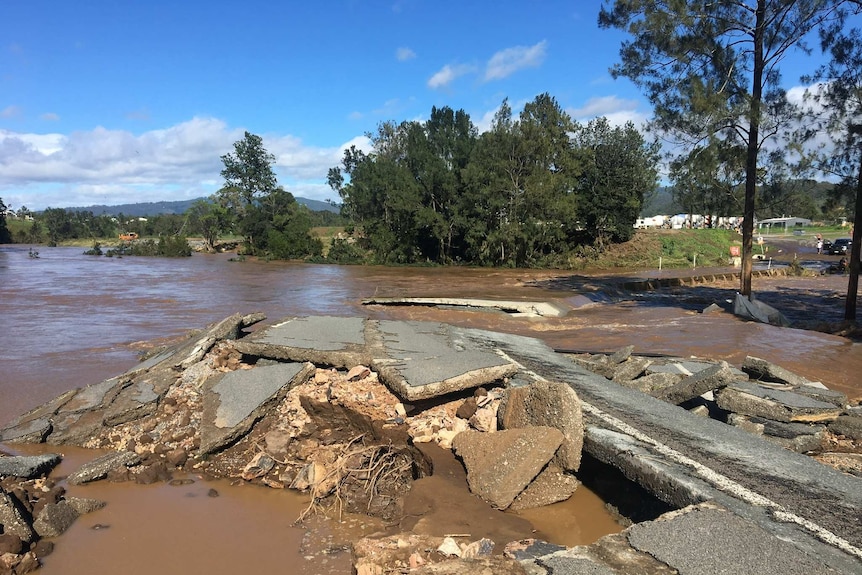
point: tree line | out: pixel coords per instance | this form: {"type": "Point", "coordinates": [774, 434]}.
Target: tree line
{"type": "Point", "coordinates": [530, 191]}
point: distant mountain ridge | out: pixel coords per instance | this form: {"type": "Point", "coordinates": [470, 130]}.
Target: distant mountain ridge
{"type": "Point", "coordinates": [143, 209]}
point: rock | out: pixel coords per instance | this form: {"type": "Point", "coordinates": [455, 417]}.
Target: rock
{"type": "Point", "coordinates": [752, 399]}
{"type": "Point", "coordinates": [481, 548]}
{"type": "Point", "coordinates": [177, 457]}
{"type": "Point", "coordinates": [848, 426]}
{"type": "Point", "coordinates": [260, 465]}
{"type": "Point", "coordinates": [712, 308]}
{"type": "Point", "coordinates": [500, 465]}
{"type": "Point", "coordinates": [551, 486]}
{"type": "Point", "coordinates": [33, 431]}
{"type": "Point", "coordinates": [13, 518]}
{"type": "Point", "coordinates": [99, 467]}
{"type": "Point", "coordinates": [28, 467]}
{"type": "Point", "coordinates": [467, 409]}
{"type": "Point", "coordinates": [357, 372]}
{"type": "Point", "coordinates": [10, 543]}
{"type": "Point", "coordinates": [485, 419]}
{"type": "Point", "coordinates": [54, 519]}
{"type": "Point", "coordinates": [84, 505]}
{"type": "Point", "coordinates": [277, 443]}
{"type": "Point", "coordinates": [621, 355]}
{"type": "Point", "coordinates": [695, 385]}
{"type": "Point", "coordinates": [449, 547]}
{"type": "Point", "coordinates": [309, 476]}
{"type": "Point", "coordinates": [547, 403]}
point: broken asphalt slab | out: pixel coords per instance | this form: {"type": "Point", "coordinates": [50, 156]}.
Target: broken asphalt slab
{"type": "Point", "coordinates": [521, 308]}
{"type": "Point", "coordinates": [233, 403]}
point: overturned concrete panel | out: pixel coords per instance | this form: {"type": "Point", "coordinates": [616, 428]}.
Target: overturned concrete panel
{"type": "Point", "coordinates": [752, 399]}
{"type": "Point", "coordinates": [500, 465]}
{"type": "Point", "coordinates": [705, 539]}
{"type": "Point", "coordinates": [427, 359]}
{"type": "Point", "coordinates": [233, 403]}
{"type": "Point", "coordinates": [323, 340]}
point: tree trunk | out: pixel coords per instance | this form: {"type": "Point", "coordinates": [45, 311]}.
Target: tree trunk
{"type": "Point", "coordinates": [855, 251]}
{"type": "Point", "coordinates": [751, 152]}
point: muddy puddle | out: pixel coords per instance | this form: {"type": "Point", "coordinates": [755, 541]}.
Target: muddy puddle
{"type": "Point", "coordinates": [71, 320]}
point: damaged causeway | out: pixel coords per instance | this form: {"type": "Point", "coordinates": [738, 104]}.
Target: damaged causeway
{"type": "Point", "coordinates": [722, 497]}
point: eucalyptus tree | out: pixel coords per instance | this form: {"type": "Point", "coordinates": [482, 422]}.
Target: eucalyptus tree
{"type": "Point", "coordinates": [712, 67]}
{"type": "Point", "coordinates": [837, 115]}
{"type": "Point", "coordinates": [248, 178]}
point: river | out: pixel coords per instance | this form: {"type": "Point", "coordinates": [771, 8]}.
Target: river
{"type": "Point", "coordinates": [69, 320]}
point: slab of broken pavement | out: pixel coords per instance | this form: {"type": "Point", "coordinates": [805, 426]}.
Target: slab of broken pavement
{"type": "Point", "coordinates": [742, 504]}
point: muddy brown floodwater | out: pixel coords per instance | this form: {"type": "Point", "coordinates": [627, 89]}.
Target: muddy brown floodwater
{"type": "Point", "coordinates": [70, 320]}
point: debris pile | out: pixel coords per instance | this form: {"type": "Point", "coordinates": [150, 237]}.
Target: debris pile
{"type": "Point", "coordinates": [258, 410]}
{"type": "Point", "coordinates": [33, 509]}
{"type": "Point", "coordinates": [761, 398]}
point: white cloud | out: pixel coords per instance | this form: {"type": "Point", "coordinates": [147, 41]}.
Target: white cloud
{"type": "Point", "coordinates": [617, 110]}
{"type": "Point", "coordinates": [10, 112]}
{"type": "Point", "coordinates": [115, 166]}
{"type": "Point", "coordinates": [447, 74]}
{"type": "Point", "coordinates": [506, 62]}
{"type": "Point", "coordinates": [403, 54]}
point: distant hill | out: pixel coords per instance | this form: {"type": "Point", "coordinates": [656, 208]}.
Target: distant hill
{"type": "Point", "coordinates": [179, 207]}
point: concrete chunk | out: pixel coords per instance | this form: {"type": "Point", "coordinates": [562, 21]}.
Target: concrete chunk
{"type": "Point", "coordinates": [696, 385]}
{"type": "Point", "coordinates": [547, 403]}
{"type": "Point", "coordinates": [233, 403]}
{"type": "Point", "coordinates": [13, 520]}
{"type": "Point", "coordinates": [500, 465]}
{"type": "Point", "coordinates": [99, 467]}
{"type": "Point", "coordinates": [752, 399]}
{"type": "Point", "coordinates": [630, 369]}
{"type": "Point", "coordinates": [427, 359]}
{"type": "Point", "coordinates": [763, 370]}
{"type": "Point", "coordinates": [551, 486]}
{"type": "Point", "coordinates": [54, 519]}
{"type": "Point", "coordinates": [28, 467]}
{"type": "Point", "coordinates": [323, 340]}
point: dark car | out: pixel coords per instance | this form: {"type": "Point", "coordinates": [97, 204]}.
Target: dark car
{"type": "Point", "coordinates": [839, 247]}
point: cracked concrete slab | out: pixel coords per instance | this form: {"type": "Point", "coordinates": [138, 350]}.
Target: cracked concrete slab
{"type": "Point", "coordinates": [324, 340]}
{"type": "Point", "coordinates": [233, 403]}
{"type": "Point", "coordinates": [428, 359]}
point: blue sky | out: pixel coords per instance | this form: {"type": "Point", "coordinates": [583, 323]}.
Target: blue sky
{"type": "Point", "coordinates": [106, 102]}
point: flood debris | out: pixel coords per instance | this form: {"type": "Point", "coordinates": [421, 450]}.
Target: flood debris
{"type": "Point", "coordinates": [761, 398]}
{"type": "Point", "coordinates": [336, 407]}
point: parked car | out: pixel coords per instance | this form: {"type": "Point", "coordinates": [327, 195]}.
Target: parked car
{"type": "Point", "coordinates": [840, 247]}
